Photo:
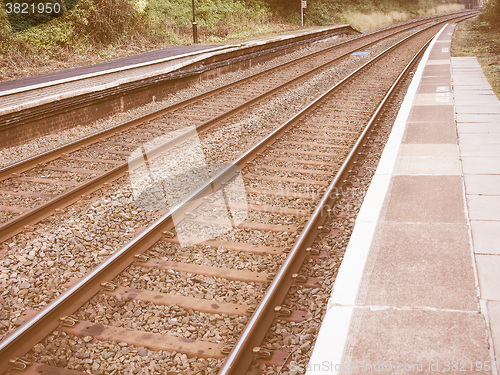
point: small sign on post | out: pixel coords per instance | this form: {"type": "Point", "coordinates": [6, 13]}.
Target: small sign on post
{"type": "Point", "coordinates": [304, 4]}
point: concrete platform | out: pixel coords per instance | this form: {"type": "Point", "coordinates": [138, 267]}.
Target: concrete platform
{"type": "Point", "coordinates": [32, 91]}
{"type": "Point", "coordinates": [419, 287]}
{"type": "Point", "coordinates": [37, 106]}
{"type": "Point", "coordinates": [41, 89]}
{"type": "Point", "coordinates": [129, 62]}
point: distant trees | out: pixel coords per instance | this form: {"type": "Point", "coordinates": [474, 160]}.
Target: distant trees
{"type": "Point", "coordinates": [344, 4]}
{"type": "Point", "coordinates": [491, 14]}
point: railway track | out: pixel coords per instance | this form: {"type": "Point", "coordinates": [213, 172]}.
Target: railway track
{"type": "Point", "coordinates": [288, 177]}
{"type": "Point", "coordinates": [33, 189]}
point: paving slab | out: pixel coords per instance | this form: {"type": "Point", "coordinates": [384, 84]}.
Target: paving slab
{"type": "Point", "coordinates": [467, 95]}
{"type": "Point", "coordinates": [481, 165]}
{"type": "Point", "coordinates": [494, 316]}
{"type": "Point", "coordinates": [474, 144]}
{"type": "Point", "coordinates": [478, 128]}
{"type": "Point", "coordinates": [480, 109]}
{"type": "Point", "coordinates": [438, 98]}
{"type": "Point", "coordinates": [426, 199]}
{"type": "Point", "coordinates": [443, 53]}
{"type": "Point", "coordinates": [428, 150]}
{"type": "Point", "coordinates": [477, 184]}
{"type": "Point", "coordinates": [485, 236]}
{"type": "Point", "coordinates": [466, 74]}
{"type": "Point", "coordinates": [488, 150]}
{"type": "Point", "coordinates": [415, 341]}
{"type": "Point", "coordinates": [433, 81]}
{"type": "Point", "coordinates": [471, 99]}
{"type": "Point", "coordinates": [427, 166]}
{"type": "Point", "coordinates": [435, 113]}
{"type": "Point", "coordinates": [433, 86]}
{"type": "Point", "coordinates": [483, 207]}
{"type": "Point", "coordinates": [404, 256]}
{"type": "Point", "coordinates": [480, 139]}
{"type": "Point", "coordinates": [488, 267]}
{"type": "Point", "coordinates": [436, 69]}
{"type": "Point", "coordinates": [469, 117]}
{"type": "Point", "coordinates": [439, 62]}
{"type": "Point", "coordinates": [476, 82]}
{"type": "Point", "coordinates": [425, 132]}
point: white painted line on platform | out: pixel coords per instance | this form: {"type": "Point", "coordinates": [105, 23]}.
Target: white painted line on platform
{"type": "Point", "coordinates": [326, 358]}
{"type": "Point", "coordinates": [329, 347]}
{"type": "Point", "coordinates": [345, 289]}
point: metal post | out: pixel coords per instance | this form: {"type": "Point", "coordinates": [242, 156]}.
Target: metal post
{"type": "Point", "coordinates": [195, 27]}
{"type": "Point", "coordinates": [301, 13]}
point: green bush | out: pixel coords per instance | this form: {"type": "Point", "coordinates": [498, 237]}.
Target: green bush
{"type": "Point", "coordinates": [216, 18]}
{"type": "Point", "coordinates": [49, 35]}
{"type": "Point", "coordinates": [106, 21]}
{"type": "Point", "coordinates": [94, 22]}
{"type": "Point", "coordinates": [491, 14]}
{"type": "Point", "coordinates": [322, 13]}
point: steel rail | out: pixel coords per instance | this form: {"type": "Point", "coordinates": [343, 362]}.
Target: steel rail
{"type": "Point", "coordinates": [240, 358]}
{"type": "Point", "coordinates": [49, 155]}
{"type": "Point", "coordinates": [38, 213]}
{"type": "Point", "coordinates": [23, 339]}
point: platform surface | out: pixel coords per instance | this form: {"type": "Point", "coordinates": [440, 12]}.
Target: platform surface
{"type": "Point", "coordinates": [24, 93]}
{"type": "Point", "coordinates": [419, 287]}
{"type": "Point", "coordinates": [30, 92]}
{"type": "Point", "coordinates": [100, 67]}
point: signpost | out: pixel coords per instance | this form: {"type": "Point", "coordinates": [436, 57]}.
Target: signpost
{"type": "Point", "coordinates": [302, 7]}
{"type": "Point", "coordinates": [195, 29]}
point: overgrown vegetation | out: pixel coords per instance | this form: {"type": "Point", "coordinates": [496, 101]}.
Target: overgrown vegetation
{"type": "Point", "coordinates": [97, 30]}
{"type": "Point", "coordinates": [371, 13]}
{"type": "Point", "coordinates": [481, 38]}
{"type": "Point", "coordinates": [491, 15]}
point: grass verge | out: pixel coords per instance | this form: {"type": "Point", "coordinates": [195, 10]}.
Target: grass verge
{"type": "Point", "coordinates": [373, 19]}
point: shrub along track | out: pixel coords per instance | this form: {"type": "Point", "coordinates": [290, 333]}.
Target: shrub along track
{"type": "Point", "coordinates": [210, 288]}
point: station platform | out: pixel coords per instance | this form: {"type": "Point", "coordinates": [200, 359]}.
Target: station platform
{"type": "Point", "coordinates": [19, 94]}
{"type": "Point", "coordinates": [418, 290]}
{"type": "Point", "coordinates": [45, 104]}
{"type": "Point", "coordinates": [128, 62]}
